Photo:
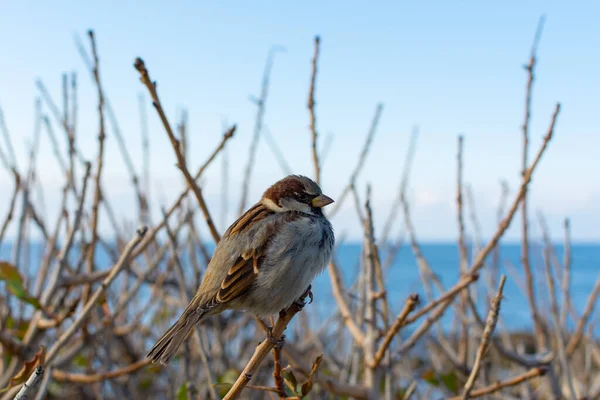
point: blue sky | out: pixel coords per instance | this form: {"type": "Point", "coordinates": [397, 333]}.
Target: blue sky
{"type": "Point", "coordinates": [450, 67]}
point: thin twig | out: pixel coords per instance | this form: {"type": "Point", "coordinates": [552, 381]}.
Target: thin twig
{"type": "Point", "coordinates": [59, 118]}
{"type": "Point", "coordinates": [370, 377]}
{"type": "Point", "coordinates": [311, 109]}
{"type": "Point", "coordinates": [145, 154]}
{"type": "Point", "coordinates": [447, 296]}
{"type": "Point", "coordinates": [408, 160]}
{"type": "Point", "coordinates": [228, 134]}
{"type": "Point", "coordinates": [490, 325]}
{"type": "Point", "coordinates": [529, 280]}
{"type": "Point", "coordinates": [281, 160]}
{"type": "Point", "coordinates": [11, 208]}
{"type": "Point", "coordinates": [410, 390]}
{"type": "Point", "coordinates": [337, 287]}
{"type": "Point", "coordinates": [495, 267]}
{"type": "Point", "coordinates": [55, 147]}
{"type": "Point", "coordinates": [375, 259]}
{"type": "Point", "coordinates": [151, 86]}
{"type": "Point", "coordinates": [463, 344]}
{"type": "Point", "coordinates": [4, 160]}
{"type": "Point", "coordinates": [11, 160]}
{"type": "Point", "coordinates": [558, 331]}
{"type": "Point", "coordinates": [360, 161]}
{"type": "Point", "coordinates": [277, 378]}
{"type": "Point", "coordinates": [409, 306]}
{"type": "Point", "coordinates": [331, 384]}
{"type": "Point", "coordinates": [63, 376]}
{"type": "Point", "coordinates": [478, 263]}
{"type": "Point", "coordinates": [152, 234]}
{"type": "Point", "coordinates": [258, 123]}
{"type": "Point", "coordinates": [92, 302]}
{"type": "Point", "coordinates": [327, 143]}
{"type": "Point", "coordinates": [591, 303]}
{"type": "Point", "coordinates": [63, 255]}
{"type": "Point", "coordinates": [99, 165]}
{"type": "Point", "coordinates": [72, 128]}
{"type": "Point", "coordinates": [477, 240]}
{"type": "Point", "coordinates": [479, 260]}
{"type": "Point", "coordinates": [532, 373]}
{"type": "Point", "coordinates": [566, 275]}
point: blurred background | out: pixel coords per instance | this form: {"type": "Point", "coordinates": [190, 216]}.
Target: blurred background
{"type": "Point", "coordinates": [447, 67]}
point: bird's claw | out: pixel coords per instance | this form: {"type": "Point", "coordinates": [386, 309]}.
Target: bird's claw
{"type": "Point", "coordinates": [278, 343]}
{"type": "Point", "coordinates": [301, 302]}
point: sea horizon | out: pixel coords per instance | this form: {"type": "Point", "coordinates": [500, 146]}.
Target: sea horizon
{"type": "Point", "coordinates": [402, 276]}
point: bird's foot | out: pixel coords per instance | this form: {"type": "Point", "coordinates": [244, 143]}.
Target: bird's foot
{"type": "Point", "coordinates": [269, 330]}
{"type": "Point", "coordinates": [278, 343]}
{"type": "Point", "coordinates": [301, 302]}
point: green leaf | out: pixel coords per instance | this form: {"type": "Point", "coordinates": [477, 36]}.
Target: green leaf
{"type": "Point", "coordinates": [223, 387]}
{"type": "Point", "coordinates": [182, 392]}
{"type": "Point", "coordinates": [290, 379]}
{"type": "Point", "coordinates": [230, 375]}
{"type": "Point", "coordinates": [17, 327]}
{"type": "Point", "coordinates": [430, 377]}
{"type": "Point", "coordinates": [81, 361]}
{"type": "Point", "coordinates": [14, 284]}
{"type": "Point", "coordinates": [450, 380]}
{"type": "Point", "coordinates": [9, 273]}
{"type": "Point", "coordinates": [145, 383]}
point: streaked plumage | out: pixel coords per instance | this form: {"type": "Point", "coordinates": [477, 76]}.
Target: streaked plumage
{"type": "Point", "coordinates": [264, 262]}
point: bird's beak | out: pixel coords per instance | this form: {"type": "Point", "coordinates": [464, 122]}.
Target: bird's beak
{"type": "Point", "coordinates": [321, 201]}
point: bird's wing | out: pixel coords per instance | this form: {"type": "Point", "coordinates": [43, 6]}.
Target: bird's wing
{"type": "Point", "coordinates": [242, 274]}
{"type": "Point", "coordinates": [240, 277]}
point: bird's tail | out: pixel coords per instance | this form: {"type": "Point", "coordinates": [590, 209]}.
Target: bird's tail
{"type": "Point", "coordinates": [169, 343]}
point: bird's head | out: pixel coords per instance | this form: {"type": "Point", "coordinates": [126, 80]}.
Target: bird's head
{"type": "Point", "coordinates": [295, 193]}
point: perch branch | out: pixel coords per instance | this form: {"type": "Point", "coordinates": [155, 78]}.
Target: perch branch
{"type": "Point", "coordinates": [262, 350]}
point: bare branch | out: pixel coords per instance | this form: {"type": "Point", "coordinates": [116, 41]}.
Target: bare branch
{"type": "Point", "coordinates": [99, 165]}
{"type": "Point", "coordinates": [283, 164]}
{"type": "Point", "coordinates": [258, 123]}
{"type": "Point", "coordinates": [408, 159]}
{"type": "Point", "coordinates": [409, 306]}
{"type": "Point", "coordinates": [560, 340]}
{"type": "Point", "coordinates": [311, 109]}
{"type": "Point", "coordinates": [532, 373]}
{"type": "Point", "coordinates": [529, 281]}
{"type": "Point", "coordinates": [151, 86]}
{"type": "Point", "coordinates": [490, 325]}
{"type": "Point", "coordinates": [360, 161]}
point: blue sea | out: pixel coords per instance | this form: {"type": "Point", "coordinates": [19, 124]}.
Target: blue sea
{"type": "Point", "coordinates": [402, 278]}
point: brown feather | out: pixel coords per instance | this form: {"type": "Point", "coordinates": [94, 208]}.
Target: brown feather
{"type": "Point", "coordinates": [239, 280]}
{"type": "Point", "coordinates": [285, 188]}
{"type": "Point", "coordinates": [254, 214]}
{"type": "Point", "coordinates": [241, 275]}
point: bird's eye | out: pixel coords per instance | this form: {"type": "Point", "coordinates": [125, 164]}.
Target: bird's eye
{"type": "Point", "coordinates": [305, 197]}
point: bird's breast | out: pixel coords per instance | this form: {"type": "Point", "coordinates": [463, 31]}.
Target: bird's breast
{"type": "Point", "coordinates": [295, 256]}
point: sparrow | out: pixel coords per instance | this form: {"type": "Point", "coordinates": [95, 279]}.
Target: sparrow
{"type": "Point", "coordinates": [265, 261]}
